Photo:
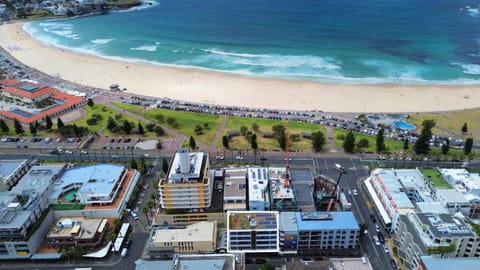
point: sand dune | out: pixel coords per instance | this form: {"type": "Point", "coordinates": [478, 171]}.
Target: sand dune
{"type": "Point", "coordinates": [197, 85]}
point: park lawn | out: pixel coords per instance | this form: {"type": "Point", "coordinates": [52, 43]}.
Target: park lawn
{"type": "Point", "coordinates": [450, 123]}
{"type": "Point", "coordinates": [186, 121]}
{"type": "Point", "coordinates": [265, 125]}
{"type": "Point", "coordinates": [391, 145]}
{"type": "Point", "coordinates": [100, 109]}
{"type": "Point", "coordinates": [436, 178]}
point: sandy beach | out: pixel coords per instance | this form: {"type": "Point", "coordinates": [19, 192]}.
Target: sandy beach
{"type": "Point", "coordinates": [197, 85]}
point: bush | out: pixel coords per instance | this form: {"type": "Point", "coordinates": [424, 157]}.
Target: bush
{"type": "Point", "coordinates": [92, 121]}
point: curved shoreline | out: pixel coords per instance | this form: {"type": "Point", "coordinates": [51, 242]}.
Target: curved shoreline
{"type": "Point", "coordinates": [196, 85]}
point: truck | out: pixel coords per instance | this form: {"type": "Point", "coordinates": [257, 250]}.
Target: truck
{"type": "Point", "coordinates": [346, 205]}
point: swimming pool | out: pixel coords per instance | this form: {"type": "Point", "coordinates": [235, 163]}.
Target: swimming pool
{"type": "Point", "coordinates": [70, 195]}
{"type": "Point", "coordinates": [404, 125]}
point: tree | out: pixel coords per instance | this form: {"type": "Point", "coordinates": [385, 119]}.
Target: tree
{"type": "Point", "coordinates": [255, 127]}
{"type": "Point", "coordinates": [111, 124]}
{"type": "Point", "coordinates": [133, 164]}
{"type": "Point", "coordinates": [243, 130]}
{"type": "Point", "coordinates": [468, 146]}
{"type": "Point", "coordinates": [90, 102]}
{"type": "Point", "coordinates": [464, 128]}
{"type": "Point", "coordinates": [192, 143]}
{"type": "Point", "coordinates": [142, 167]}
{"type": "Point", "coordinates": [278, 129]}
{"type": "Point", "coordinates": [282, 141]}
{"type": "Point", "coordinates": [380, 143]}
{"type": "Point", "coordinates": [225, 141]}
{"type": "Point", "coordinates": [33, 129]}
{"type": "Point", "coordinates": [318, 141]}
{"type": "Point", "coordinates": [110, 236]}
{"type": "Point", "coordinates": [349, 142]}
{"type": "Point", "coordinates": [253, 142]}
{"type": "Point", "coordinates": [127, 127]}
{"type": "Point", "coordinates": [422, 145]}
{"type": "Point", "coordinates": [18, 126]}
{"type": "Point", "coordinates": [165, 165]}
{"type": "Point", "coordinates": [363, 143]}
{"type": "Point", "coordinates": [159, 131]}
{"type": "Point", "coordinates": [3, 126]}
{"type": "Point", "coordinates": [60, 123]}
{"type": "Point", "coordinates": [140, 128]}
{"type": "Point", "coordinates": [445, 146]}
{"type": "Point", "coordinates": [405, 144]}
{"type": "Point", "coordinates": [48, 122]}
{"type": "Point", "coordinates": [198, 130]}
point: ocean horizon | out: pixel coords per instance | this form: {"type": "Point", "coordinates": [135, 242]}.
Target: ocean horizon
{"type": "Point", "coordinates": [367, 42]}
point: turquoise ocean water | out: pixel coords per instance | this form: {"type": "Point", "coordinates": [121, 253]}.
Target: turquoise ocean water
{"type": "Point", "coordinates": [369, 41]}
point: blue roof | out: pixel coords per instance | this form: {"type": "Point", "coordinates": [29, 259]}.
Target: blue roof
{"type": "Point", "coordinates": [95, 179]}
{"type": "Point", "coordinates": [28, 87]}
{"type": "Point", "coordinates": [321, 221]}
{"type": "Point", "coordinates": [451, 263]}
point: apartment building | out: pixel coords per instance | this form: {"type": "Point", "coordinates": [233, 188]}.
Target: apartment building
{"type": "Point", "coordinates": [187, 185]}
{"type": "Point", "coordinates": [318, 233]}
{"type": "Point", "coordinates": [25, 207]}
{"type": "Point", "coordinates": [441, 235]}
{"type": "Point", "coordinates": [252, 231]}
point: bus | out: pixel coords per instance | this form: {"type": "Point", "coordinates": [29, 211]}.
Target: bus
{"type": "Point", "coordinates": [122, 236]}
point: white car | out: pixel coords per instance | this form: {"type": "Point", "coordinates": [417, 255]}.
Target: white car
{"type": "Point", "coordinates": [385, 248]}
{"type": "Point", "coordinates": [377, 228]}
{"type": "Point", "coordinates": [355, 192]}
{"type": "Point", "coordinates": [134, 215]}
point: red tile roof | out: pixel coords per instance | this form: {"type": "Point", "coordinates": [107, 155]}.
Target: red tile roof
{"type": "Point", "coordinates": [68, 99]}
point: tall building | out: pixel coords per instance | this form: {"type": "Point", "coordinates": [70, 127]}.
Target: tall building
{"type": "Point", "coordinates": [187, 184]}
{"type": "Point", "coordinates": [22, 209]}
{"type": "Point", "coordinates": [441, 235]}
{"type": "Point", "coordinates": [252, 231]}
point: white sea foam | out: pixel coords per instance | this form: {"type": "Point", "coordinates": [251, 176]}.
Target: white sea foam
{"type": "Point", "coordinates": [275, 60]}
{"type": "Point", "coordinates": [220, 52]}
{"type": "Point", "coordinates": [471, 69]}
{"type": "Point", "coordinates": [394, 71]}
{"type": "Point", "coordinates": [149, 48]}
{"type": "Point", "coordinates": [474, 12]}
{"type": "Point", "coordinates": [145, 4]}
{"type": "Point", "coordinates": [102, 41]}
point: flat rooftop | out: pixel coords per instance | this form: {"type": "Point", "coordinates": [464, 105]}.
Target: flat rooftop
{"type": "Point", "coordinates": [187, 169]}
{"type": "Point", "coordinates": [444, 225]}
{"type": "Point", "coordinates": [451, 263]}
{"type": "Point", "coordinates": [37, 179]}
{"type": "Point", "coordinates": [257, 183]}
{"type": "Point", "coordinates": [200, 231]}
{"type": "Point", "coordinates": [252, 220]}
{"type": "Point", "coordinates": [235, 184]}
{"type": "Point", "coordinates": [470, 181]}
{"type": "Point", "coordinates": [314, 221]}
{"type": "Point", "coordinates": [391, 180]}
{"type": "Point", "coordinates": [82, 227]}
{"type": "Point", "coordinates": [95, 179]}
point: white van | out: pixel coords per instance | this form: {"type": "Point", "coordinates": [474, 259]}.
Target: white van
{"type": "Point", "coordinates": [124, 252]}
